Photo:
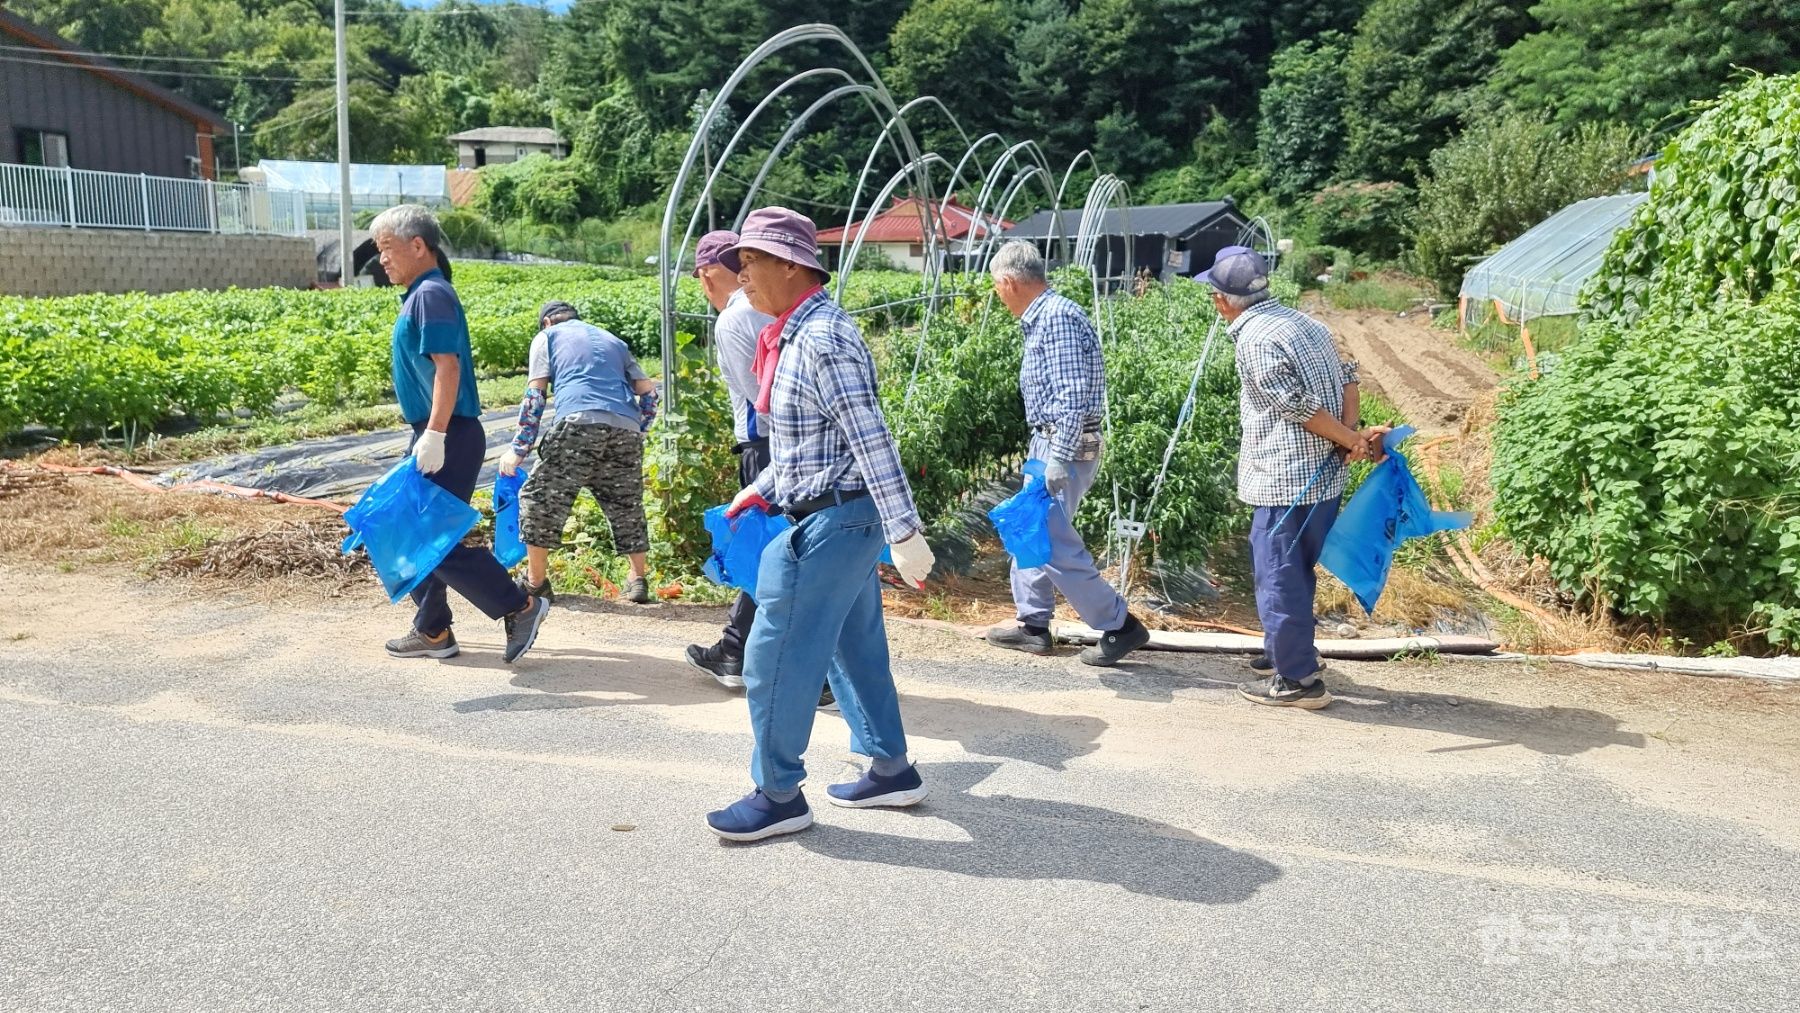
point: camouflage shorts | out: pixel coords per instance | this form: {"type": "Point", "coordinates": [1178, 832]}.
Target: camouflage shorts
{"type": "Point", "coordinates": [605, 460]}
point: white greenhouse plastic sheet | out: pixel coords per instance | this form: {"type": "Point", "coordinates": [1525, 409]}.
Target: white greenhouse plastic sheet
{"type": "Point", "coordinates": [1540, 274]}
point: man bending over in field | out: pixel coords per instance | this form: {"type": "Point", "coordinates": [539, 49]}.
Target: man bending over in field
{"type": "Point", "coordinates": [595, 442]}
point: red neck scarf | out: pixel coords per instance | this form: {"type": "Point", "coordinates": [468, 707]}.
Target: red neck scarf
{"type": "Point", "coordinates": [768, 350]}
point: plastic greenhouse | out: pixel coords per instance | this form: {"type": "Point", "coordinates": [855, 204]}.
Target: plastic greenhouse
{"type": "Point", "coordinates": [372, 187]}
{"type": "Point", "coordinates": [1540, 274]}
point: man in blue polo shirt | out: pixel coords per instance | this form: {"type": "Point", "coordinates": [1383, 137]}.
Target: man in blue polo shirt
{"type": "Point", "coordinates": [434, 381]}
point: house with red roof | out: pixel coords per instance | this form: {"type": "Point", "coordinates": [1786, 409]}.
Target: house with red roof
{"type": "Point", "coordinates": [898, 232]}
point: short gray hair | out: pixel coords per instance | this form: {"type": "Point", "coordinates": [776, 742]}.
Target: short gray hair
{"type": "Point", "coordinates": [409, 221]}
{"type": "Point", "coordinates": [1240, 303]}
{"type": "Point", "coordinates": [1019, 259]}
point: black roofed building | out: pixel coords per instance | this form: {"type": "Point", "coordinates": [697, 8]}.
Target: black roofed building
{"type": "Point", "coordinates": [63, 108]}
{"type": "Point", "coordinates": [1169, 239]}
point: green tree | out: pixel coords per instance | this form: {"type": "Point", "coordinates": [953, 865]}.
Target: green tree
{"type": "Point", "coordinates": [1415, 69]}
{"type": "Point", "coordinates": [1300, 133]}
{"type": "Point", "coordinates": [956, 50]}
{"type": "Point", "coordinates": [1504, 175]}
{"type": "Point", "coordinates": [1642, 63]}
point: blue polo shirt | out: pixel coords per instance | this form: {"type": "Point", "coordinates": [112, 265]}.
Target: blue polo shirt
{"type": "Point", "coordinates": [431, 323]}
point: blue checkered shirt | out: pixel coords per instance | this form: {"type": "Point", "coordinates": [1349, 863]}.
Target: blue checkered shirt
{"type": "Point", "coordinates": [1062, 377]}
{"type": "Point", "coordinates": [1288, 368]}
{"type": "Point", "coordinates": [826, 430]}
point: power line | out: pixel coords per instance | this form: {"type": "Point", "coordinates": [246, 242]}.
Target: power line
{"type": "Point", "coordinates": [169, 73]}
{"type": "Point", "coordinates": [123, 56]}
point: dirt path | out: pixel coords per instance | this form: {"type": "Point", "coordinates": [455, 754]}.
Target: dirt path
{"type": "Point", "coordinates": [1417, 367]}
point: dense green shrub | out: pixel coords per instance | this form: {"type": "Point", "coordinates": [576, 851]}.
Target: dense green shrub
{"type": "Point", "coordinates": [468, 233]}
{"type": "Point", "coordinates": [540, 190]}
{"type": "Point", "coordinates": [1501, 177]}
{"type": "Point", "coordinates": [1656, 467]}
{"type": "Point", "coordinates": [1723, 219]}
{"type": "Point", "coordinates": [1374, 219]}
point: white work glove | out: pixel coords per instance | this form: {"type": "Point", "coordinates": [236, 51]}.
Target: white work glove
{"type": "Point", "coordinates": [510, 461]}
{"type": "Point", "coordinates": [913, 558]}
{"type": "Point", "coordinates": [1056, 477]}
{"type": "Point", "coordinates": [428, 451]}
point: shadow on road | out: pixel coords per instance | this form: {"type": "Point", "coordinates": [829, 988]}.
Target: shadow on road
{"type": "Point", "coordinates": [1551, 730]}
{"type": "Point", "coordinates": [1048, 740]}
{"type": "Point", "coordinates": [571, 679]}
{"type": "Point", "coordinates": [1555, 731]}
{"type": "Point", "coordinates": [1027, 838]}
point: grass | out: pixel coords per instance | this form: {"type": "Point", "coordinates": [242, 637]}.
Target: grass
{"type": "Point", "coordinates": [1391, 292]}
{"type": "Point", "coordinates": [1500, 346]}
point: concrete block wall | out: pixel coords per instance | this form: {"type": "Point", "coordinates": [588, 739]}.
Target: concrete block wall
{"type": "Point", "coordinates": [43, 262]}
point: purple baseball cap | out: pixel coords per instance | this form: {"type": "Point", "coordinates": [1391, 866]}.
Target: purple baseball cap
{"type": "Point", "coordinates": [1237, 270]}
{"type": "Point", "coordinates": [778, 232]}
{"type": "Point", "coordinates": [706, 252]}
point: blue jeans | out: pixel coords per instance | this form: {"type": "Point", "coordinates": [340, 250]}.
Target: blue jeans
{"type": "Point", "coordinates": [1071, 569]}
{"type": "Point", "coordinates": [473, 573]}
{"type": "Point", "coordinates": [818, 610]}
{"type": "Point", "coordinates": [1284, 550]}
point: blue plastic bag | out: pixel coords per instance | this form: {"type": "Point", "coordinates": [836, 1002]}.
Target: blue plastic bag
{"type": "Point", "coordinates": [1388, 508]}
{"type": "Point", "coordinates": [408, 524]}
{"type": "Point", "coordinates": [738, 543]}
{"type": "Point", "coordinates": [509, 546]}
{"type": "Point", "coordinates": [1023, 520]}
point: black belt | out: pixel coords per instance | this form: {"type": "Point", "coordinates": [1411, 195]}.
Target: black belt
{"type": "Point", "coordinates": [1049, 428]}
{"type": "Point", "coordinates": [807, 507]}
{"type": "Point", "coordinates": [760, 443]}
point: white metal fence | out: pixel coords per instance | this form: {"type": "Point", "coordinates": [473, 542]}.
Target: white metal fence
{"type": "Point", "coordinates": [83, 198]}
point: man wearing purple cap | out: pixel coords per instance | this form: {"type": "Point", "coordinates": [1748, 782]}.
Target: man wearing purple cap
{"type": "Point", "coordinates": [734, 339]}
{"type": "Point", "coordinates": [835, 470]}
{"type": "Point", "coordinates": [1299, 408]}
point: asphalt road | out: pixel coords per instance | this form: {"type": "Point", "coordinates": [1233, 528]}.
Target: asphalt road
{"type": "Point", "coordinates": [246, 806]}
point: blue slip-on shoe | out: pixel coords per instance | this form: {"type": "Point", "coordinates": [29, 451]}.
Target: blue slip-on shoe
{"type": "Point", "coordinates": [756, 816]}
{"type": "Point", "coordinates": [870, 790]}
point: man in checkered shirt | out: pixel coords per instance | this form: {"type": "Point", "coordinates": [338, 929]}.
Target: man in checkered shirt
{"type": "Point", "coordinates": [835, 471]}
{"type": "Point", "coordinates": [1063, 381]}
{"type": "Point", "coordinates": [1299, 408]}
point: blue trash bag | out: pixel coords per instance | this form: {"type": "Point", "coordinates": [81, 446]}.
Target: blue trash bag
{"type": "Point", "coordinates": [1388, 508]}
{"type": "Point", "coordinates": [738, 543]}
{"type": "Point", "coordinates": [1023, 520]}
{"type": "Point", "coordinates": [509, 546]}
{"type": "Point", "coordinates": [407, 524]}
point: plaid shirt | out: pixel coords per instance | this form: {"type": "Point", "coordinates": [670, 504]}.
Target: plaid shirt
{"type": "Point", "coordinates": [1289, 368]}
{"type": "Point", "coordinates": [826, 430]}
{"type": "Point", "coordinates": [1062, 377]}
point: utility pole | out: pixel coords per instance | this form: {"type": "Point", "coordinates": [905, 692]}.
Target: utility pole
{"type": "Point", "coordinates": [237, 153]}
{"type": "Point", "coordinates": [345, 255]}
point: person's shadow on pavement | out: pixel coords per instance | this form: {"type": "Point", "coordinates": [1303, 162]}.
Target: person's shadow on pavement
{"type": "Point", "coordinates": [1027, 838]}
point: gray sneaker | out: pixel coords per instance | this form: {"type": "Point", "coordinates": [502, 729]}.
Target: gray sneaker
{"type": "Point", "coordinates": [414, 645]}
{"type": "Point", "coordinates": [637, 589]}
{"type": "Point", "coordinates": [522, 627]}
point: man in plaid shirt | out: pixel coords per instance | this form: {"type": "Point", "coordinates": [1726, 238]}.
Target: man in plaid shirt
{"type": "Point", "coordinates": [835, 470]}
{"type": "Point", "coordinates": [1063, 382]}
{"type": "Point", "coordinates": [1299, 408]}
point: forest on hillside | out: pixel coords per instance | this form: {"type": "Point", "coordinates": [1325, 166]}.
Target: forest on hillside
{"type": "Point", "coordinates": [1339, 108]}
